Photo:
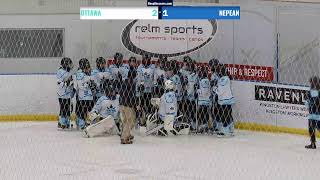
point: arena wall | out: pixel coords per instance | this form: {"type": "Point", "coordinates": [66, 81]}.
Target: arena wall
{"type": "Point", "coordinates": [266, 36]}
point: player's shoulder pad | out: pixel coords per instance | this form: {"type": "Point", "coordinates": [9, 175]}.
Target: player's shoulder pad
{"type": "Point", "coordinates": [60, 73]}
{"type": "Point", "coordinates": [224, 80]}
{"type": "Point", "coordinates": [80, 75]}
{"type": "Point", "coordinates": [95, 71]}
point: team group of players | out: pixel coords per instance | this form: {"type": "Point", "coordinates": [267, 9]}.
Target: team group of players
{"type": "Point", "coordinates": [124, 92]}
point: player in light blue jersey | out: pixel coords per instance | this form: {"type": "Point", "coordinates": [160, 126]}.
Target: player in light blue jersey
{"type": "Point", "coordinates": [190, 93]}
{"type": "Point", "coordinates": [100, 74]}
{"type": "Point", "coordinates": [225, 101]}
{"type": "Point", "coordinates": [203, 100]}
{"type": "Point", "coordinates": [119, 70]}
{"type": "Point", "coordinates": [145, 85]}
{"type": "Point", "coordinates": [65, 92]}
{"type": "Point", "coordinates": [214, 65]}
{"type": "Point", "coordinates": [185, 70]}
{"type": "Point", "coordinates": [85, 89]}
{"type": "Point", "coordinates": [174, 76]}
{"type": "Point", "coordinates": [108, 104]}
{"type": "Point", "coordinates": [313, 104]}
{"type": "Point", "coordinates": [159, 77]}
{"type": "Point", "coordinates": [105, 115]}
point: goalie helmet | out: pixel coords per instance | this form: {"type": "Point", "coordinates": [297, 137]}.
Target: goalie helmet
{"type": "Point", "coordinates": [66, 63]}
{"type": "Point", "coordinates": [169, 85]}
{"type": "Point", "coordinates": [100, 62]}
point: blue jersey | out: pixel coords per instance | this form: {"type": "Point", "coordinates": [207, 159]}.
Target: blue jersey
{"type": "Point", "coordinates": [204, 92]}
{"type": "Point", "coordinates": [106, 106]}
{"type": "Point", "coordinates": [145, 77]}
{"type": "Point", "coordinates": [83, 85]}
{"type": "Point", "coordinates": [98, 76]}
{"type": "Point", "coordinates": [65, 84]}
{"type": "Point", "coordinates": [122, 69]}
{"type": "Point", "coordinates": [214, 86]}
{"type": "Point", "coordinates": [313, 103]}
{"type": "Point", "coordinates": [224, 92]}
{"type": "Point", "coordinates": [176, 80]}
{"type": "Point", "coordinates": [192, 80]}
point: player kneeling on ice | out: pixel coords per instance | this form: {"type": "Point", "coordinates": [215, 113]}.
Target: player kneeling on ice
{"type": "Point", "coordinates": [105, 114]}
{"type": "Point", "coordinates": [313, 103]}
{"type": "Point", "coordinates": [168, 108]}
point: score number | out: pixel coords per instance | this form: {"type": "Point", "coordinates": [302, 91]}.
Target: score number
{"type": "Point", "coordinates": [164, 13]}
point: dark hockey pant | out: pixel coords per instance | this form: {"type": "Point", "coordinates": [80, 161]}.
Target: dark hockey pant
{"type": "Point", "coordinates": [225, 115]}
{"type": "Point", "coordinates": [313, 126]}
{"type": "Point", "coordinates": [65, 107]}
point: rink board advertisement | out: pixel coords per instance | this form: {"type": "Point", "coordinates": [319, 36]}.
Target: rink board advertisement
{"type": "Point", "coordinates": [273, 104]}
{"type": "Point", "coordinates": [167, 38]}
{"type": "Point", "coordinates": [250, 72]}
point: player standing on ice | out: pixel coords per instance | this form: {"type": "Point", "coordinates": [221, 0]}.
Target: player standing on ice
{"type": "Point", "coordinates": [203, 95]}
{"type": "Point", "coordinates": [118, 70]}
{"type": "Point", "coordinates": [159, 76]}
{"type": "Point", "coordinates": [214, 64]}
{"type": "Point", "coordinates": [313, 103]}
{"type": "Point", "coordinates": [184, 73]}
{"type": "Point", "coordinates": [185, 70]}
{"type": "Point", "coordinates": [225, 101]}
{"type": "Point", "coordinates": [144, 86]}
{"type": "Point", "coordinates": [86, 86]}
{"type": "Point", "coordinates": [105, 114]}
{"type": "Point", "coordinates": [190, 97]}
{"type": "Point", "coordinates": [65, 92]}
{"type": "Point", "coordinates": [99, 74]}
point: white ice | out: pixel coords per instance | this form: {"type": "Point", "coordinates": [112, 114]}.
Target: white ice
{"type": "Point", "coordinates": [33, 150]}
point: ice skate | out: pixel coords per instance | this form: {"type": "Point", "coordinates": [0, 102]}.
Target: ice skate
{"type": "Point", "coordinates": [126, 141]}
{"type": "Point", "coordinates": [311, 146]}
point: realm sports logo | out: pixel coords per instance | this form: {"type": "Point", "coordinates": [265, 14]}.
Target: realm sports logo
{"type": "Point", "coordinates": [282, 95]}
{"type": "Point", "coordinates": [167, 38]}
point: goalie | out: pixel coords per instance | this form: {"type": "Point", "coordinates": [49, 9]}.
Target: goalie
{"type": "Point", "coordinates": [168, 109]}
{"type": "Point", "coordinates": [105, 114]}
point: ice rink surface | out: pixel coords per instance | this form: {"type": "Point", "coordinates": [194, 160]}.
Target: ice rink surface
{"type": "Point", "coordinates": [32, 150]}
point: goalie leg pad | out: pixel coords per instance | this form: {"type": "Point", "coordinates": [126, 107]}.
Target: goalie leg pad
{"type": "Point", "coordinates": [107, 125]}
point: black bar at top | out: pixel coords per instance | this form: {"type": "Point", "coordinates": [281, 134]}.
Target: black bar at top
{"type": "Point", "coordinates": [159, 2]}
{"type": "Point", "coordinates": [159, 12]}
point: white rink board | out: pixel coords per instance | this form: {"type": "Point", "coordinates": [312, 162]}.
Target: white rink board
{"type": "Point", "coordinates": [248, 109]}
{"type": "Point", "coordinates": [28, 94]}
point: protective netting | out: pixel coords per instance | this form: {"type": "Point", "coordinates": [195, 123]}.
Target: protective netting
{"type": "Point", "coordinates": [269, 65]}
{"type": "Point", "coordinates": [190, 80]}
